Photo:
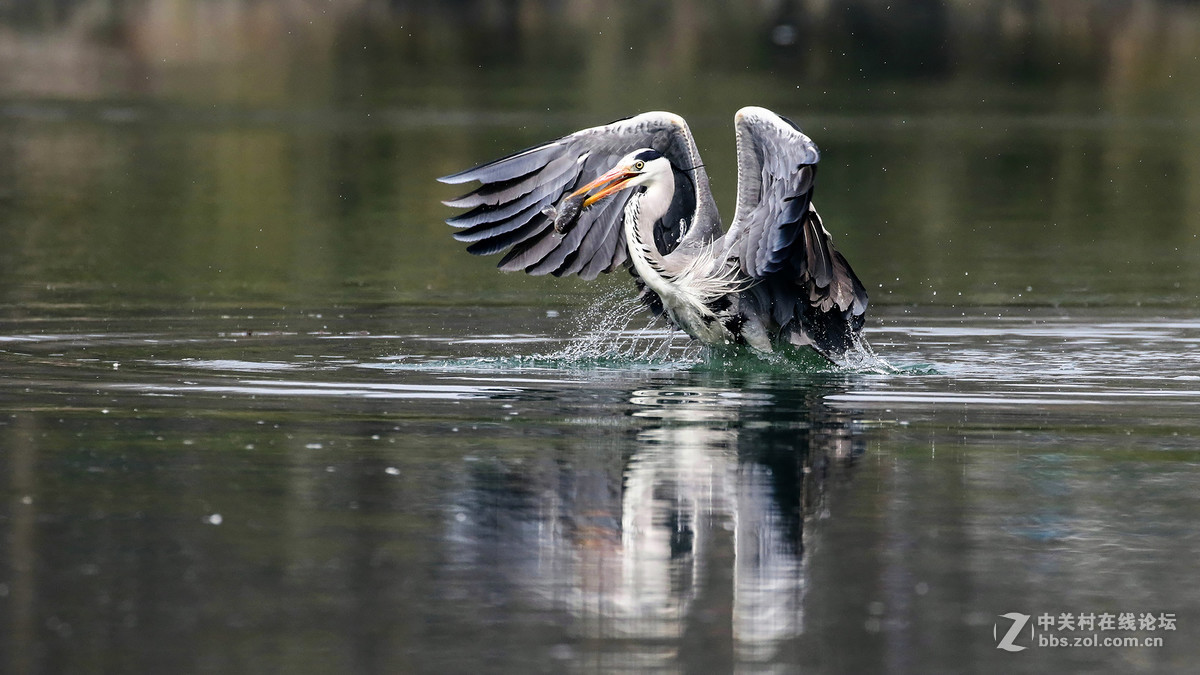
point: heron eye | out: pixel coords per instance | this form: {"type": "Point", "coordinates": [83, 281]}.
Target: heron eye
{"type": "Point", "coordinates": [639, 165]}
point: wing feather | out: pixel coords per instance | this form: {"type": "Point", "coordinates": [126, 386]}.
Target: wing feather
{"type": "Point", "coordinates": [567, 244]}
{"type": "Point", "coordinates": [602, 260]}
{"type": "Point", "coordinates": [593, 243]}
{"type": "Point", "coordinates": [506, 168]}
{"type": "Point", "coordinates": [495, 228]}
{"type": "Point", "coordinates": [551, 182]}
{"type": "Point", "coordinates": [499, 243]}
{"type": "Point", "coordinates": [505, 209]}
{"type": "Point", "coordinates": [495, 193]}
{"type": "Point", "coordinates": [620, 253]}
{"type": "Point", "coordinates": [778, 237]}
{"type": "Point", "coordinates": [527, 253]}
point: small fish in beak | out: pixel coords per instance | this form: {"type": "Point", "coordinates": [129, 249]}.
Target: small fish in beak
{"type": "Point", "coordinates": [566, 213]}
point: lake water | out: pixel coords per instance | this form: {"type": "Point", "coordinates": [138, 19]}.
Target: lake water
{"type": "Point", "coordinates": [259, 412]}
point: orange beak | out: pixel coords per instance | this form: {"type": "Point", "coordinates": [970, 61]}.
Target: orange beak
{"type": "Point", "coordinates": [613, 181]}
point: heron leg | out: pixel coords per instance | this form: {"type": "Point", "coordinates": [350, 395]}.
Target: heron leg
{"type": "Point", "coordinates": [755, 334]}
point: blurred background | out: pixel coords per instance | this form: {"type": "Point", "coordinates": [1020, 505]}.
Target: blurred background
{"type": "Point", "coordinates": [260, 412]}
{"type": "Point", "coordinates": [243, 151]}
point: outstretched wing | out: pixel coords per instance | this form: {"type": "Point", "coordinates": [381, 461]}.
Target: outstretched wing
{"type": "Point", "coordinates": [777, 236]}
{"type": "Point", "coordinates": [506, 209]}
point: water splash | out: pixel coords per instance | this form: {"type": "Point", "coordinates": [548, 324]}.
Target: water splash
{"type": "Point", "coordinates": [606, 336]}
{"type": "Point", "coordinates": [799, 360]}
{"type": "Point", "coordinates": [615, 333]}
{"type": "Point", "coordinates": [861, 358]}
{"type": "Point", "coordinates": [607, 340]}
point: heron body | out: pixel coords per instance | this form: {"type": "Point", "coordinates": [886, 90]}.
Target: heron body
{"type": "Point", "coordinates": [687, 295]}
{"type": "Point", "coordinates": [634, 194]}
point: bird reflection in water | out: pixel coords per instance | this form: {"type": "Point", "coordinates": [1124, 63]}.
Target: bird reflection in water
{"type": "Point", "coordinates": [697, 530]}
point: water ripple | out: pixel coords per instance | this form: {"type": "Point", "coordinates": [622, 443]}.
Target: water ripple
{"type": "Point", "coordinates": [327, 389]}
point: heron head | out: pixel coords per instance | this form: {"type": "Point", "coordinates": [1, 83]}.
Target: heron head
{"type": "Point", "coordinates": [639, 167]}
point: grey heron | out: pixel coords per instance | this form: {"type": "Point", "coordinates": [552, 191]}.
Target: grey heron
{"type": "Point", "coordinates": [634, 193]}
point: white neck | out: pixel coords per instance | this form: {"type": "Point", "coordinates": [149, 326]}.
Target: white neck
{"type": "Point", "coordinates": [641, 212]}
